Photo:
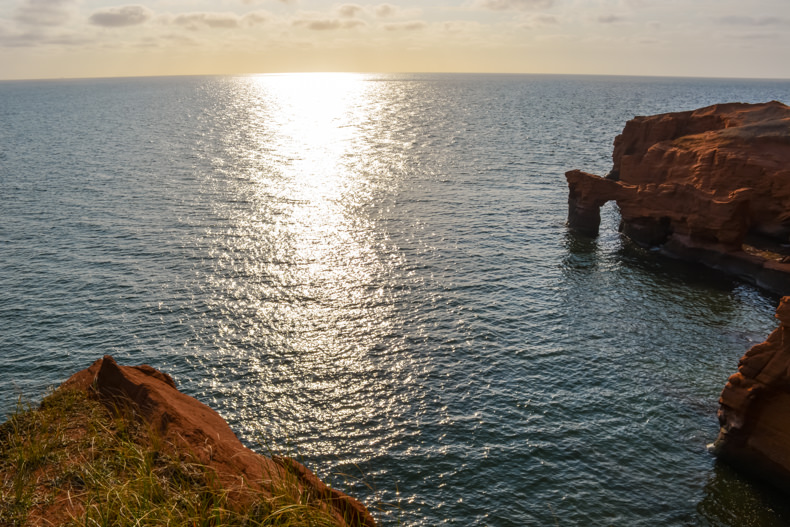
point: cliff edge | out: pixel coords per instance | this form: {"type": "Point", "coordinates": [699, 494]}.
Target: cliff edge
{"type": "Point", "coordinates": [754, 408]}
{"type": "Point", "coordinates": [710, 185]}
{"type": "Point", "coordinates": [122, 445]}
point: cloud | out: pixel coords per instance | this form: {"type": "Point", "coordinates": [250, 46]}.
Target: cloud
{"type": "Point", "coordinates": [256, 18]}
{"type": "Point", "coordinates": [386, 10]}
{"type": "Point", "coordinates": [393, 11]}
{"type": "Point", "coordinates": [546, 19]}
{"type": "Point", "coordinates": [179, 39]}
{"type": "Point", "coordinates": [27, 39]}
{"type": "Point", "coordinates": [460, 26]}
{"type": "Point", "coordinates": [327, 24]}
{"type": "Point", "coordinates": [45, 12]}
{"type": "Point", "coordinates": [531, 21]}
{"type": "Point", "coordinates": [756, 36]}
{"type": "Point", "coordinates": [610, 19]}
{"type": "Point", "coordinates": [412, 25]}
{"type": "Point", "coordinates": [215, 20]}
{"type": "Point", "coordinates": [514, 5]}
{"type": "Point", "coordinates": [130, 15]}
{"type": "Point", "coordinates": [208, 19]}
{"type": "Point", "coordinates": [69, 40]}
{"type": "Point", "coordinates": [760, 21]}
{"type": "Point", "coordinates": [349, 10]}
{"type": "Point", "coordinates": [10, 39]}
{"type": "Point", "coordinates": [165, 41]}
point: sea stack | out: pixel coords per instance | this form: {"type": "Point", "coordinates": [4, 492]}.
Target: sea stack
{"type": "Point", "coordinates": [710, 186]}
{"type": "Point", "coordinates": [754, 410]}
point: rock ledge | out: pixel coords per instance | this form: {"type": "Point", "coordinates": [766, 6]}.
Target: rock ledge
{"type": "Point", "coordinates": [191, 427]}
{"type": "Point", "coordinates": [710, 186]}
{"type": "Point", "coordinates": [754, 410]}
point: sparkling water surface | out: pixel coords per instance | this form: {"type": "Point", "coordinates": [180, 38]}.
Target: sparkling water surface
{"type": "Point", "coordinates": [372, 273]}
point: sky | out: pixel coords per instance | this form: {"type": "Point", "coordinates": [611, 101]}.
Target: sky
{"type": "Point", "coordinates": [100, 38]}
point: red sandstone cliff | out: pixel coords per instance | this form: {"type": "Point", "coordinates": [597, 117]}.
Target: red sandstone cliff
{"type": "Point", "coordinates": [710, 185]}
{"type": "Point", "coordinates": [754, 410]}
{"type": "Point", "coordinates": [192, 428]}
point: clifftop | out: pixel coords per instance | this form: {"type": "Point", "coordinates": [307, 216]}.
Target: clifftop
{"type": "Point", "coordinates": [121, 445]}
{"type": "Point", "coordinates": [710, 185]}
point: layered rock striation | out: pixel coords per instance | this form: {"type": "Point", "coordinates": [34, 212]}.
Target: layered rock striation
{"type": "Point", "coordinates": [710, 185]}
{"type": "Point", "coordinates": [754, 411]}
{"type": "Point", "coordinates": [192, 429]}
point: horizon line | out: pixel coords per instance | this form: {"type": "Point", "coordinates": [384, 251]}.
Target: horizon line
{"type": "Point", "coordinates": [329, 72]}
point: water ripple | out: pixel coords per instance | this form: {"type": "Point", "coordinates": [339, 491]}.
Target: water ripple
{"type": "Point", "coordinates": [372, 272]}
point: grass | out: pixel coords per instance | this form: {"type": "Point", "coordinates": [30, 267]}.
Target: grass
{"type": "Point", "coordinates": [74, 462]}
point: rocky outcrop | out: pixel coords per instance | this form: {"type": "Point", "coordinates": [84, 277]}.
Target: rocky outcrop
{"type": "Point", "coordinates": [710, 185]}
{"type": "Point", "coordinates": [192, 428]}
{"type": "Point", "coordinates": [754, 410]}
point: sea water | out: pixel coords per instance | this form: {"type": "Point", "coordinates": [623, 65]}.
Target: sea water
{"type": "Point", "coordinates": [372, 273]}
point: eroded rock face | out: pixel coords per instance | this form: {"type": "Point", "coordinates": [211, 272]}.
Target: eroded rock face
{"type": "Point", "coordinates": [754, 410]}
{"type": "Point", "coordinates": [710, 185]}
{"type": "Point", "coordinates": [193, 428]}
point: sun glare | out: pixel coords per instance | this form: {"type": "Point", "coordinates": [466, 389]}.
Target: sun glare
{"type": "Point", "coordinates": [299, 143]}
{"type": "Point", "coordinates": [313, 118]}
{"type": "Point", "coordinates": [315, 126]}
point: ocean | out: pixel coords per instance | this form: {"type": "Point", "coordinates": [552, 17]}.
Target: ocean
{"type": "Point", "coordinates": [372, 273]}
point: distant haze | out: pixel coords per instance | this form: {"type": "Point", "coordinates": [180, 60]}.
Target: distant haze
{"type": "Point", "coordinates": [99, 38]}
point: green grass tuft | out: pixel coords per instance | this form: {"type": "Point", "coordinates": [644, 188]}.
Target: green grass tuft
{"type": "Point", "coordinates": [73, 462]}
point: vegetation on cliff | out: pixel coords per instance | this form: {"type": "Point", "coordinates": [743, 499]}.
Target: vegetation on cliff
{"type": "Point", "coordinates": [76, 461]}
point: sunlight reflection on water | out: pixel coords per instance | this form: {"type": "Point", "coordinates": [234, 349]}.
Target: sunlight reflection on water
{"type": "Point", "coordinates": [303, 236]}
